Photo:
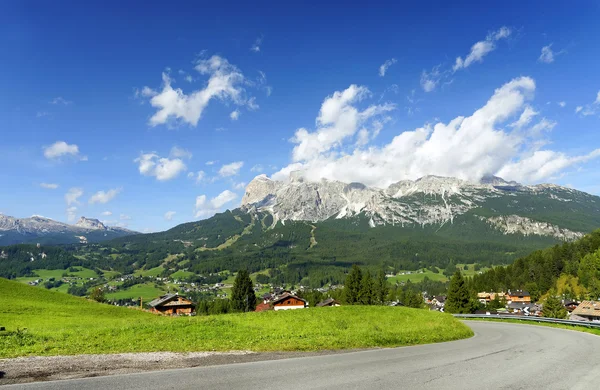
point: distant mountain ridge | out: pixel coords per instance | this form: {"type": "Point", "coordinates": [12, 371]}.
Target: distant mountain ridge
{"type": "Point", "coordinates": [48, 231]}
{"type": "Point", "coordinates": [431, 200]}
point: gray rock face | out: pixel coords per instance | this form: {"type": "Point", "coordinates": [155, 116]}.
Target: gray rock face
{"type": "Point", "coordinates": [430, 200]}
{"type": "Point", "coordinates": [37, 226]}
{"type": "Point", "coordinates": [511, 224]}
{"type": "Point", "coordinates": [90, 223]}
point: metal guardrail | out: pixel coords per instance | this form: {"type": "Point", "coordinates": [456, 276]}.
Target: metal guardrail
{"type": "Point", "coordinates": [586, 324]}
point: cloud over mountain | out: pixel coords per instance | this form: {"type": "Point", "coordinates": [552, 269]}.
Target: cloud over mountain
{"type": "Point", "coordinates": [467, 147]}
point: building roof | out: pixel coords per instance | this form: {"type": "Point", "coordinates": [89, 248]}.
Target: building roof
{"type": "Point", "coordinates": [588, 308]}
{"type": "Point", "coordinates": [287, 295]}
{"type": "Point", "coordinates": [164, 299]}
{"type": "Point", "coordinates": [327, 302]}
{"type": "Point", "coordinates": [518, 293]}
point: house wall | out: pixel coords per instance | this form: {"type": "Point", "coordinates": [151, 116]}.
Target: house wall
{"type": "Point", "coordinates": [288, 307]}
{"type": "Point", "coordinates": [526, 299]}
{"type": "Point", "coordinates": [290, 303]}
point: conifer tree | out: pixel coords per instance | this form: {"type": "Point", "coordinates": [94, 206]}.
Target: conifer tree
{"type": "Point", "coordinates": [243, 297]}
{"type": "Point", "coordinates": [458, 300]}
{"type": "Point", "coordinates": [366, 289]}
{"type": "Point", "coordinates": [353, 285]}
{"type": "Point", "coordinates": [553, 308]}
{"type": "Point", "coordinates": [382, 288]}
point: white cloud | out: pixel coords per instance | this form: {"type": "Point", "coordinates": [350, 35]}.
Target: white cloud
{"type": "Point", "coordinates": [72, 196]}
{"type": "Point", "coordinates": [385, 66]}
{"type": "Point", "coordinates": [543, 164]}
{"type": "Point", "coordinates": [177, 152]}
{"type": "Point", "coordinates": [338, 120]}
{"type": "Point", "coordinates": [169, 215]}
{"type": "Point", "coordinates": [223, 198]}
{"type": "Point", "coordinates": [481, 49]}
{"type": "Point", "coordinates": [548, 55]}
{"type": "Point", "coordinates": [430, 80]}
{"type": "Point", "coordinates": [60, 149]}
{"type": "Point", "coordinates": [467, 147]}
{"type": "Point", "coordinates": [107, 213]}
{"type": "Point", "coordinates": [71, 213]}
{"type": "Point", "coordinates": [197, 176]}
{"type": "Point", "coordinates": [525, 117]}
{"type": "Point", "coordinates": [562, 104]}
{"type": "Point", "coordinates": [104, 197]}
{"type": "Point", "coordinates": [211, 162]}
{"type": "Point", "coordinates": [41, 114]}
{"type": "Point", "coordinates": [239, 186]}
{"type": "Point", "coordinates": [72, 199]}
{"type": "Point", "coordinates": [49, 186]}
{"type": "Point", "coordinates": [589, 109]}
{"type": "Point", "coordinates": [124, 217]}
{"type": "Point", "coordinates": [61, 101]}
{"type": "Point", "coordinates": [256, 45]}
{"type": "Point", "coordinates": [258, 168]}
{"type": "Point", "coordinates": [235, 115]}
{"type": "Point", "coordinates": [225, 83]}
{"type": "Point", "coordinates": [231, 169]}
{"type": "Point", "coordinates": [205, 208]}
{"type": "Point", "coordinates": [151, 164]}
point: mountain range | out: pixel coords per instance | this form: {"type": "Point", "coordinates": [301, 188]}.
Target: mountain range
{"type": "Point", "coordinates": [300, 231]}
{"type": "Point", "coordinates": [543, 210]}
{"type": "Point", "coordinates": [38, 229]}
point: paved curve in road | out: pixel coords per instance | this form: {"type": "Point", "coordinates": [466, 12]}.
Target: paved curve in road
{"type": "Point", "coordinates": [500, 356]}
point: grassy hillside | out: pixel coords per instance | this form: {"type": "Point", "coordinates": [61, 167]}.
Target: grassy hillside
{"type": "Point", "coordinates": [41, 322]}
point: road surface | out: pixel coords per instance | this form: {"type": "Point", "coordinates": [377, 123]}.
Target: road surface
{"type": "Point", "coordinates": [500, 356]}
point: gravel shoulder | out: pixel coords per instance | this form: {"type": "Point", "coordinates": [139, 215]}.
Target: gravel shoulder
{"type": "Point", "coordinates": [51, 368]}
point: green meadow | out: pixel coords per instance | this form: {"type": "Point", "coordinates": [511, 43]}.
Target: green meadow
{"type": "Point", "coordinates": [41, 322]}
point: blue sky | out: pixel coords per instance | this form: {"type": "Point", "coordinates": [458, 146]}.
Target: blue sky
{"type": "Point", "coordinates": [111, 110]}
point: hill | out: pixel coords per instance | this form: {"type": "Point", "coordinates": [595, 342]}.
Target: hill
{"type": "Point", "coordinates": [308, 233]}
{"type": "Point", "coordinates": [48, 231]}
{"type": "Point", "coordinates": [41, 322]}
{"type": "Point", "coordinates": [570, 270]}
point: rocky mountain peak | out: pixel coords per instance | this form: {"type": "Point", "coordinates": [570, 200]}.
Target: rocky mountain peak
{"type": "Point", "coordinates": [430, 200]}
{"type": "Point", "coordinates": [90, 223]}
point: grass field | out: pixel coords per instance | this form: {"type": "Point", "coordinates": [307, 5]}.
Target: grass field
{"type": "Point", "coordinates": [146, 291]}
{"type": "Point", "coordinates": [149, 272]}
{"type": "Point", "coordinates": [181, 274]}
{"type": "Point", "coordinates": [59, 324]}
{"type": "Point", "coordinates": [417, 277]}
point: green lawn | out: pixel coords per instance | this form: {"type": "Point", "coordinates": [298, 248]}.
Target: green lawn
{"type": "Point", "coordinates": [149, 272]}
{"type": "Point", "coordinates": [181, 274]}
{"type": "Point", "coordinates": [85, 273]}
{"type": "Point", "coordinates": [417, 277]}
{"type": "Point", "coordinates": [111, 274]}
{"type": "Point", "coordinates": [60, 324]}
{"type": "Point", "coordinates": [146, 291]}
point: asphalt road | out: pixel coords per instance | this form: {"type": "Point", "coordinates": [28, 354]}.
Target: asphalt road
{"type": "Point", "coordinates": [500, 356]}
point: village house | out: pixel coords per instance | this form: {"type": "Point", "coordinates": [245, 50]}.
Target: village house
{"type": "Point", "coordinates": [587, 311]}
{"type": "Point", "coordinates": [172, 304]}
{"type": "Point", "coordinates": [518, 296]}
{"type": "Point", "coordinates": [328, 302]}
{"type": "Point", "coordinates": [263, 307]}
{"type": "Point", "coordinates": [439, 301]}
{"type": "Point", "coordinates": [288, 301]}
{"type": "Point", "coordinates": [570, 305]}
{"type": "Point", "coordinates": [486, 297]}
